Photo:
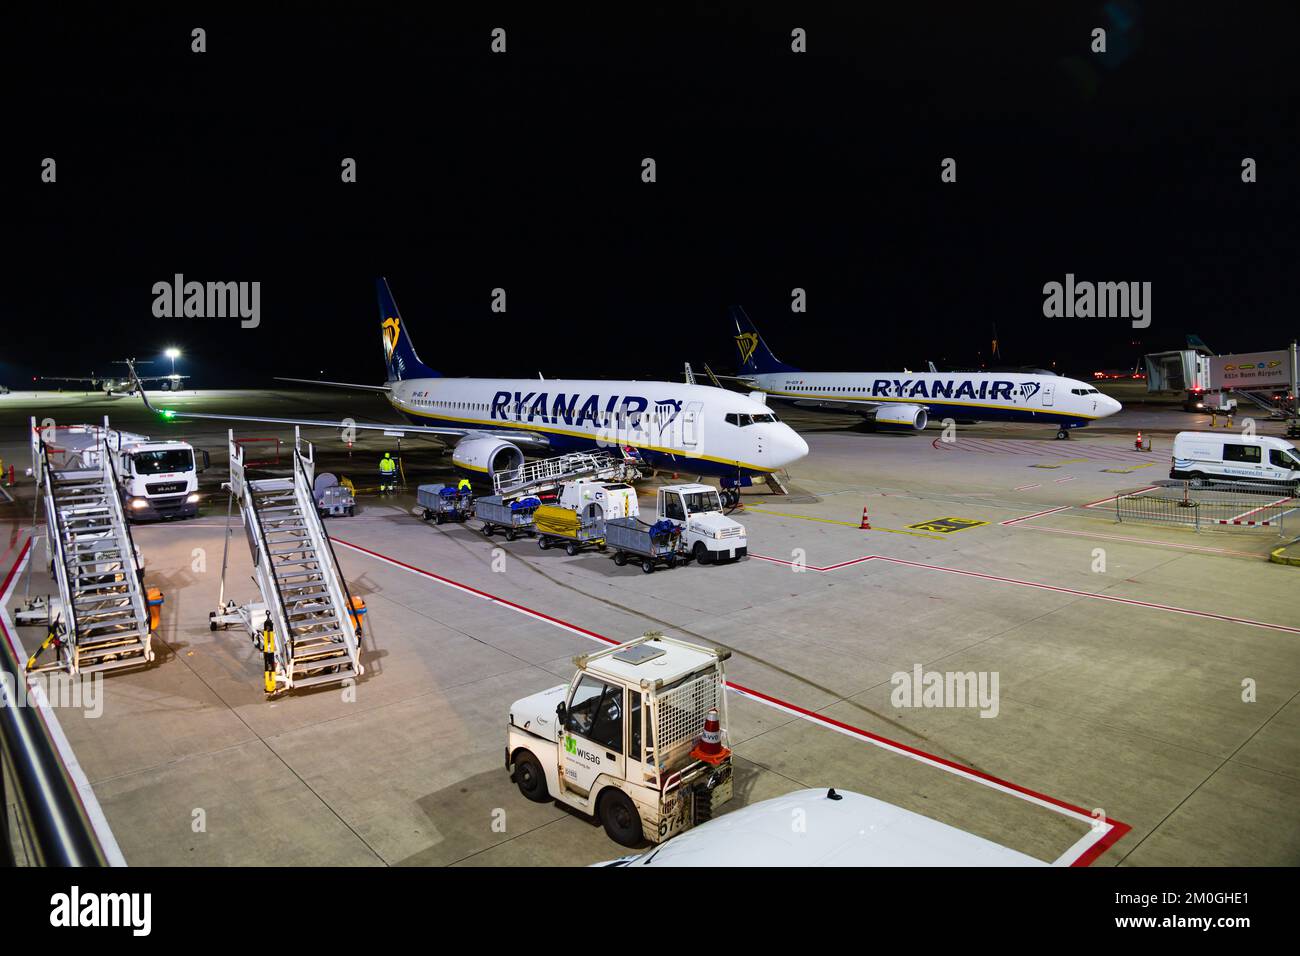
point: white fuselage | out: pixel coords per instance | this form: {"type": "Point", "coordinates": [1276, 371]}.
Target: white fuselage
{"type": "Point", "coordinates": [982, 396]}
{"type": "Point", "coordinates": [695, 428]}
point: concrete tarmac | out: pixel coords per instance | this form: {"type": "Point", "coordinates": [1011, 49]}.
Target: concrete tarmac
{"type": "Point", "coordinates": [1147, 676]}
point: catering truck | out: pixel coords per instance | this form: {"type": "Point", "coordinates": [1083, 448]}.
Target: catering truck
{"type": "Point", "coordinates": [157, 479]}
{"type": "Point", "coordinates": [636, 739]}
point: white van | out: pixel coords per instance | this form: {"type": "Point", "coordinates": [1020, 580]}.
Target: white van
{"type": "Point", "coordinates": [1227, 456]}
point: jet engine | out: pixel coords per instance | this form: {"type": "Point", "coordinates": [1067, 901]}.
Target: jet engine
{"type": "Point", "coordinates": [486, 456]}
{"type": "Point", "coordinates": [902, 417]}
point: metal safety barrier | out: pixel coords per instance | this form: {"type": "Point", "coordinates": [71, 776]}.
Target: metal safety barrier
{"type": "Point", "coordinates": [1215, 507]}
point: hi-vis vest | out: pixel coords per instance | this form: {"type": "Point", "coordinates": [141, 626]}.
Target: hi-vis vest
{"type": "Point", "coordinates": [387, 465]}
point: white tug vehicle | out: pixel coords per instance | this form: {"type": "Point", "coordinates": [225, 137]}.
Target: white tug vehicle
{"type": "Point", "coordinates": [634, 739]}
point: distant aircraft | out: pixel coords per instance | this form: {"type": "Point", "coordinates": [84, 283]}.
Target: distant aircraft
{"type": "Point", "coordinates": [908, 400]}
{"type": "Point", "coordinates": [126, 384]}
{"type": "Point", "coordinates": [697, 429]}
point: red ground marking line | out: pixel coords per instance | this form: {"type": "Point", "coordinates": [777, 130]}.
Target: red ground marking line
{"type": "Point", "coordinates": [1114, 599]}
{"type": "Point", "coordinates": [1036, 514]}
{"type": "Point", "coordinates": [1247, 514]}
{"type": "Point", "coordinates": [1145, 541]}
{"type": "Point", "coordinates": [1117, 830]}
{"type": "Point", "coordinates": [1096, 596]}
{"type": "Point", "coordinates": [813, 567]}
{"type": "Point", "coordinates": [1012, 447]}
{"type": "Point", "coordinates": [13, 569]}
{"type": "Point", "coordinates": [1066, 478]}
{"type": "Point", "coordinates": [1102, 501]}
{"type": "Point", "coordinates": [1133, 602]}
{"type": "Point", "coordinates": [1027, 487]}
{"type": "Point", "coordinates": [475, 591]}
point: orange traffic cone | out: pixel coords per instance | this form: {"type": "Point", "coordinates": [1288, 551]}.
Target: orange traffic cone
{"type": "Point", "coordinates": [1138, 443]}
{"type": "Point", "coordinates": [866, 522]}
{"type": "Point", "coordinates": [710, 748]}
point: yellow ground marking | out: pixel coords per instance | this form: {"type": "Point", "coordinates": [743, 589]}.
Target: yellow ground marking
{"type": "Point", "coordinates": [1127, 471]}
{"type": "Point", "coordinates": [948, 525]}
{"type": "Point", "coordinates": [847, 524]}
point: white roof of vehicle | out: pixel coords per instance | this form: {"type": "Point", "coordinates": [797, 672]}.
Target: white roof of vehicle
{"type": "Point", "coordinates": [855, 830]}
{"type": "Point", "coordinates": [676, 660]}
{"type": "Point", "coordinates": [690, 488]}
{"type": "Point", "coordinates": [1268, 441]}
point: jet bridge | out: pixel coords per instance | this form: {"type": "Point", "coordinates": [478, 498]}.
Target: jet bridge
{"type": "Point", "coordinates": [307, 624]}
{"type": "Point", "coordinates": [102, 618]}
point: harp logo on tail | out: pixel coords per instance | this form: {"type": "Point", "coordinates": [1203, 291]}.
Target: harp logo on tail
{"type": "Point", "coordinates": [747, 342]}
{"type": "Point", "coordinates": [392, 329]}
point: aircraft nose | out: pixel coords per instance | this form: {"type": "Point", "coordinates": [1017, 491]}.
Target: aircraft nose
{"type": "Point", "coordinates": [1111, 405]}
{"type": "Point", "coordinates": [791, 447]}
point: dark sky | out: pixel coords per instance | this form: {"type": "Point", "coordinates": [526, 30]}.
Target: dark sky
{"type": "Point", "coordinates": [522, 171]}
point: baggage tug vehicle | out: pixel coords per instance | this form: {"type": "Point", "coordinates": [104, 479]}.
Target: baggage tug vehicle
{"type": "Point", "coordinates": [634, 739]}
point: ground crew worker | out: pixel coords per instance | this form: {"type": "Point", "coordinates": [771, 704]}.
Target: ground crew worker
{"type": "Point", "coordinates": [464, 487]}
{"type": "Point", "coordinates": [387, 472]}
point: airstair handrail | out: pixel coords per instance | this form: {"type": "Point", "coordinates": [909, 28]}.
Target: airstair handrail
{"type": "Point", "coordinates": [114, 496]}
{"type": "Point", "coordinates": [265, 568]}
{"type": "Point", "coordinates": [309, 508]}
{"type": "Point", "coordinates": [54, 539]}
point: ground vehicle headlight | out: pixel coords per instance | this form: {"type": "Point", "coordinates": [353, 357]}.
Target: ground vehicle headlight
{"type": "Point", "coordinates": [139, 503]}
{"type": "Point", "coordinates": [192, 498]}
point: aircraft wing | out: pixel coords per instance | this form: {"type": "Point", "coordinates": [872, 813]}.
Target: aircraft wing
{"type": "Point", "coordinates": [518, 437]}
{"type": "Point", "coordinates": [65, 378]}
{"type": "Point", "coordinates": [314, 381]}
{"type": "Point", "coordinates": [863, 406]}
{"type": "Point", "coordinates": [160, 378]}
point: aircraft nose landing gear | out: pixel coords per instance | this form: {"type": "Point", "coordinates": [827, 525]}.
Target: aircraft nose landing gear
{"type": "Point", "coordinates": [1062, 434]}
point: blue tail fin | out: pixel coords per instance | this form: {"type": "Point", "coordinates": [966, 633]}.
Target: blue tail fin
{"type": "Point", "coordinates": [755, 357]}
{"type": "Point", "coordinates": [399, 354]}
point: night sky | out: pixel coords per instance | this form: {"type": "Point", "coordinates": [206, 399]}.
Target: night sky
{"type": "Point", "coordinates": [523, 171]}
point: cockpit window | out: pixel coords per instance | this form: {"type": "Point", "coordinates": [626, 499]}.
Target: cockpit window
{"type": "Point", "coordinates": [740, 419]}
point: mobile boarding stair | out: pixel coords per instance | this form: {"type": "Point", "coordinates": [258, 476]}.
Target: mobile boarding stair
{"type": "Point", "coordinates": [545, 474]}
{"type": "Point", "coordinates": [307, 624]}
{"type": "Point", "coordinates": [103, 619]}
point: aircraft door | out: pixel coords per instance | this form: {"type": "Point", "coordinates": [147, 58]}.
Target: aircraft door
{"type": "Point", "coordinates": [1049, 391]}
{"type": "Point", "coordinates": [692, 422]}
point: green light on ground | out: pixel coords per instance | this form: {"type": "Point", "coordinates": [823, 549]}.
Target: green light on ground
{"type": "Point", "coordinates": [167, 413]}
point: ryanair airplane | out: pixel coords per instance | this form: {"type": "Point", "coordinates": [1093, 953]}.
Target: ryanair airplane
{"type": "Point", "coordinates": [908, 400]}
{"type": "Point", "coordinates": [491, 423]}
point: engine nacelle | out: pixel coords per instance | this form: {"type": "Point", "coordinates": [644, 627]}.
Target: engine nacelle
{"type": "Point", "coordinates": [481, 457]}
{"type": "Point", "coordinates": [902, 416]}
